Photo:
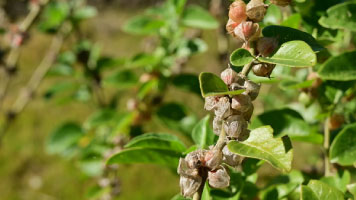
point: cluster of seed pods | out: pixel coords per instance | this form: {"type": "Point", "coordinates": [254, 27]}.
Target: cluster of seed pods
{"type": "Point", "coordinates": [232, 112]}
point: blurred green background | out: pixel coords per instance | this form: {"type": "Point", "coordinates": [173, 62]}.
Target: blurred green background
{"type": "Point", "coordinates": [28, 172]}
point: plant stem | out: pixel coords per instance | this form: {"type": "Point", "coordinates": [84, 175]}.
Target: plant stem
{"type": "Point", "coordinates": [326, 147]}
{"type": "Point", "coordinates": [246, 69]}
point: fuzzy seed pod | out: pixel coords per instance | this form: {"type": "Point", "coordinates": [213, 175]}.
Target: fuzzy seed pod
{"type": "Point", "coordinates": [241, 103]}
{"type": "Point", "coordinates": [211, 102]}
{"type": "Point", "coordinates": [263, 69]}
{"type": "Point", "coordinates": [222, 109]}
{"type": "Point", "coordinates": [248, 114]}
{"type": "Point", "coordinates": [195, 159]}
{"type": "Point", "coordinates": [230, 26]}
{"type": "Point", "coordinates": [184, 169]}
{"type": "Point", "coordinates": [213, 159]}
{"type": "Point", "coordinates": [237, 11]}
{"type": "Point", "coordinates": [256, 10]}
{"type": "Point", "coordinates": [234, 126]}
{"type": "Point", "coordinates": [266, 46]}
{"type": "Point", "coordinates": [231, 158]}
{"type": "Point", "coordinates": [247, 31]}
{"type": "Point", "coordinates": [189, 186]}
{"type": "Point", "coordinates": [252, 89]}
{"type": "Point", "coordinates": [229, 76]}
{"type": "Point", "coordinates": [217, 124]}
{"type": "Point", "coordinates": [219, 178]}
{"type": "Point", "coordinates": [281, 2]}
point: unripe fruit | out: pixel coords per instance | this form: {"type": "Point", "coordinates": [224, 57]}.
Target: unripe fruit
{"type": "Point", "coordinates": [189, 186]}
{"type": "Point", "coordinates": [263, 69]}
{"type": "Point", "coordinates": [234, 126]}
{"type": "Point", "coordinates": [213, 158]}
{"type": "Point", "coordinates": [281, 2]}
{"type": "Point", "coordinates": [237, 11]}
{"type": "Point", "coordinates": [229, 76]}
{"type": "Point", "coordinates": [247, 31]}
{"type": "Point", "coordinates": [241, 103]}
{"type": "Point", "coordinates": [256, 10]}
{"type": "Point", "coordinates": [252, 89]}
{"type": "Point", "coordinates": [304, 98]}
{"type": "Point", "coordinates": [230, 26]}
{"type": "Point", "coordinates": [231, 158]}
{"type": "Point", "coordinates": [219, 178]}
{"type": "Point", "coordinates": [266, 46]}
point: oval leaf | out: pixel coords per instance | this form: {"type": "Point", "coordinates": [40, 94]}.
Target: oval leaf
{"type": "Point", "coordinates": [202, 134]}
{"type": "Point", "coordinates": [293, 54]}
{"type": "Point", "coordinates": [339, 68]}
{"type": "Point", "coordinates": [212, 85]}
{"type": "Point", "coordinates": [261, 145]}
{"type": "Point", "coordinates": [307, 193]}
{"type": "Point", "coordinates": [340, 16]}
{"type": "Point", "coordinates": [146, 155]}
{"type": "Point", "coordinates": [157, 141]}
{"type": "Point", "coordinates": [241, 57]}
{"type": "Point", "coordinates": [342, 150]}
{"type": "Point", "coordinates": [285, 34]}
{"type": "Point", "coordinates": [142, 25]}
{"type": "Point", "coordinates": [325, 192]}
{"type": "Point", "coordinates": [197, 17]}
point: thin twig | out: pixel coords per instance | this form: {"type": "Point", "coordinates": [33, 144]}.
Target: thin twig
{"type": "Point", "coordinates": [326, 147]}
{"type": "Point", "coordinates": [12, 59]}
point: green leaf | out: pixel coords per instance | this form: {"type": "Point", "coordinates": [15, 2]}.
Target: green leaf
{"type": "Point", "coordinates": [53, 16]}
{"type": "Point", "coordinates": [188, 82]}
{"type": "Point", "coordinates": [338, 180]}
{"type": "Point", "coordinates": [293, 21]}
{"type": "Point", "coordinates": [179, 197]}
{"type": "Point", "coordinates": [100, 117]}
{"type": "Point", "coordinates": [143, 25]}
{"type": "Point", "coordinates": [85, 13]}
{"type": "Point", "coordinates": [261, 145]}
{"type": "Point", "coordinates": [146, 155]}
{"type": "Point", "coordinates": [197, 17]}
{"type": "Point", "coordinates": [285, 34]}
{"type": "Point", "coordinates": [241, 57]}
{"type": "Point", "coordinates": [157, 141]}
{"type": "Point", "coordinates": [64, 138]}
{"type": "Point", "coordinates": [212, 85]}
{"type": "Point", "coordinates": [352, 189]}
{"type": "Point", "coordinates": [307, 193]}
{"type": "Point", "coordinates": [122, 79]}
{"type": "Point", "coordinates": [339, 68]}
{"type": "Point", "coordinates": [340, 16]}
{"type": "Point", "coordinates": [288, 122]}
{"type": "Point", "coordinates": [343, 149]}
{"type": "Point", "coordinates": [325, 192]}
{"type": "Point", "coordinates": [293, 54]}
{"type": "Point", "coordinates": [202, 134]}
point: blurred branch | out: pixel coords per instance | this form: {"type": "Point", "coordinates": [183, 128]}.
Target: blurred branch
{"type": "Point", "coordinates": [326, 147]}
{"type": "Point", "coordinates": [27, 93]}
{"type": "Point", "coordinates": [12, 59]}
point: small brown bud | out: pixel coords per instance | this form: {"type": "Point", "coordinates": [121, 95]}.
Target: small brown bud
{"type": "Point", "coordinates": [252, 89]}
{"type": "Point", "coordinates": [219, 178]}
{"type": "Point", "coordinates": [222, 109]}
{"type": "Point", "coordinates": [256, 10]}
{"type": "Point", "coordinates": [234, 125]}
{"type": "Point", "coordinates": [231, 158]}
{"type": "Point", "coordinates": [247, 31]}
{"type": "Point", "coordinates": [184, 169]}
{"type": "Point", "coordinates": [211, 102]}
{"type": "Point", "coordinates": [229, 76]}
{"type": "Point", "coordinates": [266, 46]}
{"type": "Point", "coordinates": [213, 158]}
{"type": "Point", "coordinates": [195, 159]}
{"type": "Point", "coordinates": [336, 121]}
{"type": "Point", "coordinates": [237, 11]}
{"type": "Point", "coordinates": [230, 26]}
{"type": "Point", "coordinates": [248, 114]}
{"type": "Point", "coordinates": [317, 80]}
{"type": "Point", "coordinates": [189, 186]}
{"type": "Point", "coordinates": [281, 2]}
{"type": "Point", "coordinates": [263, 69]}
{"type": "Point", "coordinates": [241, 103]}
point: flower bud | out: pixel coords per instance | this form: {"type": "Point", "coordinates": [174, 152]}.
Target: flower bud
{"type": "Point", "coordinates": [230, 26]}
{"type": "Point", "coordinates": [231, 158]}
{"type": "Point", "coordinates": [217, 124]}
{"type": "Point", "coordinates": [213, 158]}
{"type": "Point", "coordinates": [184, 169]}
{"type": "Point", "coordinates": [222, 109]}
{"type": "Point", "coordinates": [219, 178]}
{"type": "Point", "coordinates": [252, 89]}
{"type": "Point", "coordinates": [237, 11]}
{"type": "Point", "coordinates": [266, 46]}
{"type": "Point", "coordinates": [241, 103]}
{"type": "Point", "coordinates": [263, 69]}
{"type": "Point", "coordinates": [195, 159]}
{"type": "Point", "coordinates": [229, 76]}
{"type": "Point", "coordinates": [211, 102]}
{"type": "Point", "coordinates": [281, 2]}
{"type": "Point", "coordinates": [189, 186]}
{"type": "Point", "coordinates": [248, 114]}
{"type": "Point", "coordinates": [247, 31]}
{"type": "Point", "coordinates": [234, 126]}
{"type": "Point", "coordinates": [256, 10]}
